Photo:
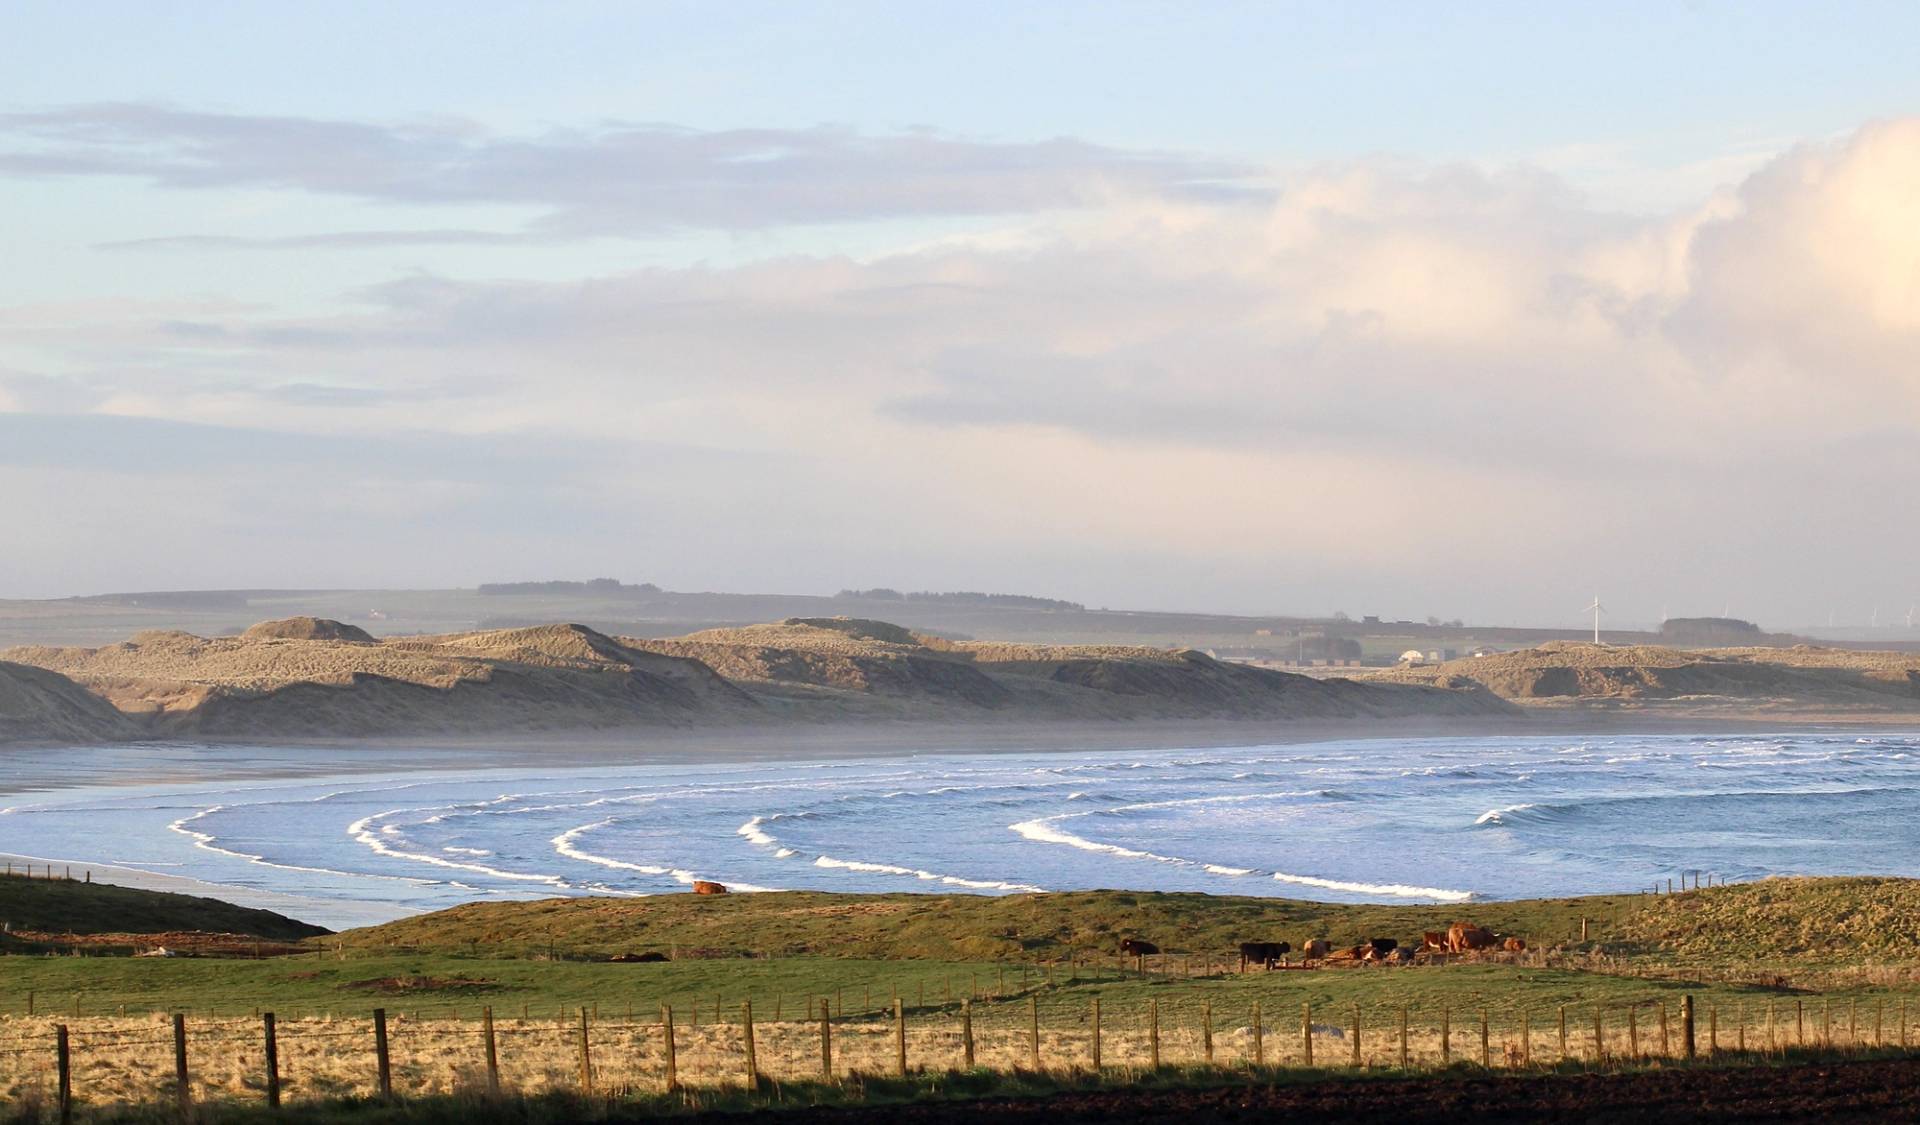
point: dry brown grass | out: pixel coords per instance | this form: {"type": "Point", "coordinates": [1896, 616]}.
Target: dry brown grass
{"type": "Point", "coordinates": [130, 1060]}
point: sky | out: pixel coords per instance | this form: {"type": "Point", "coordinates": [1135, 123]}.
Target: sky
{"type": "Point", "coordinates": [1474, 310]}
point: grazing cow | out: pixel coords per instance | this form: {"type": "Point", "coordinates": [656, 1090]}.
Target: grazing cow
{"type": "Point", "coordinates": [1262, 953]}
{"type": "Point", "coordinates": [703, 887]}
{"type": "Point", "coordinates": [1134, 947]}
{"type": "Point", "coordinates": [1463, 937]}
{"type": "Point", "coordinates": [648, 957]}
{"type": "Point", "coordinates": [1316, 949]}
{"type": "Point", "coordinates": [1401, 956]}
{"type": "Point", "coordinates": [1514, 945]}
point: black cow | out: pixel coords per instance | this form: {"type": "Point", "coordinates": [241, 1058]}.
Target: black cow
{"type": "Point", "coordinates": [1134, 947]}
{"type": "Point", "coordinates": [1265, 954]}
{"type": "Point", "coordinates": [1378, 948]}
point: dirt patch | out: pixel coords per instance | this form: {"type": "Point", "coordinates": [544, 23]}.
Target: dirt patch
{"type": "Point", "coordinates": [407, 986]}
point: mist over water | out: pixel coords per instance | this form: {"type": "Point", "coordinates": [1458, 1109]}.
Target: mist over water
{"type": "Point", "coordinates": [1408, 820]}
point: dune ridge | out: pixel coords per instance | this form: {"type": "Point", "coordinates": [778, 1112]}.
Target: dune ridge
{"type": "Point", "coordinates": [313, 678]}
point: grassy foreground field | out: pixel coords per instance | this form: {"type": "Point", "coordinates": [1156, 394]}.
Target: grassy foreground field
{"type": "Point", "coordinates": [1800, 964]}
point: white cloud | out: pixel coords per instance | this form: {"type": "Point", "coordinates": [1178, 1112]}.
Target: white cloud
{"type": "Point", "coordinates": [1418, 389]}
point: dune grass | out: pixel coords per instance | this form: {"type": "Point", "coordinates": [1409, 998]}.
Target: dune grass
{"type": "Point", "coordinates": [72, 906]}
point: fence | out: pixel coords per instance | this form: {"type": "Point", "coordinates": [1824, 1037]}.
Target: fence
{"type": "Point", "coordinates": [105, 1061]}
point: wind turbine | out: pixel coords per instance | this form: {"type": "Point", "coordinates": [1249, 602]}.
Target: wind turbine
{"type": "Point", "coordinates": [1910, 610]}
{"type": "Point", "coordinates": [1595, 609]}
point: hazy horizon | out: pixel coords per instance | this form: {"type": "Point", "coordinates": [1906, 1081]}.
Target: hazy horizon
{"type": "Point", "coordinates": [1249, 309]}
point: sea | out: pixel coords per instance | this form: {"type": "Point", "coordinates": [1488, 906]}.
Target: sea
{"type": "Point", "coordinates": [1411, 820]}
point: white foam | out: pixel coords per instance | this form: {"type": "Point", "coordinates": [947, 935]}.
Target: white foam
{"type": "Point", "coordinates": [364, 832]}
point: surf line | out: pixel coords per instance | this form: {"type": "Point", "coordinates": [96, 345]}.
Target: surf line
{"type": "Point", "coordinates": [363, 832]}
{"type": "Point", "coordinates": [755, 834]}
{"type": "Point", "coordinates": [567, 844]}
{"type": "Point", "coordinates": [205, 841]}
{"type": "Point", "coordinates": [1043, 831]}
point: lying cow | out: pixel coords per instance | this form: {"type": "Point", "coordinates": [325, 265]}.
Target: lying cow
{"type": "Point", "coordinates": [1514, 945]}
{"type": "Point", "coordinates": [1464, 938]}
{"type": "Point", "coordinates": [708, 887]}
{"type": "Point", "coordinates": [1265, 954]}
{"type": "Point", "coordinates": [1134, 947]}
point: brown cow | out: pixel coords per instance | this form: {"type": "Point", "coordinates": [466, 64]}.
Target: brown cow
{"type": "Point", "coordinates": [1514, 945]}
{"type": "Point", "coordinates": [1431, 942]}
{"type": "Point", "coordinates": [1462, 937]}
{"type": "Point", "coordinates": [703, 887]}
{"type": "Point", "coordinates": [1316, 949]}
{"type": "Point", "coordinates": [1134, 947]}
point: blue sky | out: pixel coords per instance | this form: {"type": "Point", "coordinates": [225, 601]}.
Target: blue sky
{"type": "Point", "coordinates": [1150, 251]}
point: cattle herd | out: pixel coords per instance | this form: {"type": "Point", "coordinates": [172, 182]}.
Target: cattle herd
{"type": "Point", "coordinates": [1461, 937]}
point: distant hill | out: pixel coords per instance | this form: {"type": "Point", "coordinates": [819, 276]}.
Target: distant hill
{"type": "Point", "coordinates": [593, 587]}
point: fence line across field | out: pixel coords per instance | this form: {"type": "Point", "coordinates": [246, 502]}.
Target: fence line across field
{"type": "Point", "coordinates": [388, 1056]}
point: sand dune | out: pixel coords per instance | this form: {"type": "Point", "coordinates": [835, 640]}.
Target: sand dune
{"type": "Point", "coordinates": [41, 706]}
{"type": "Point", "coordinates": [313, 678]}
{"type": "Point", "coordinates": [1563, 672]}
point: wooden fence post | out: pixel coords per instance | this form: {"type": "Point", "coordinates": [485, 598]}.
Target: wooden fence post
{"type": "Point", "coordinates": [1033, 1029]}
{"type": "Point", "coordinates": [1446, 1036]}
{"type": "Point", "coordinates": [666, 1043]}
{"type": "Point", "coordinates": [1306, 1030]}
{"type": "Point", "coordinates": [1356, 1055]}
{"type": "Point", "coordinates": [1153, 1033]}
{"type": "Point", "coordinates": [1563, 1033]}
{"type": "Point", "coordinates": [493, 1052]}
{"type": "Point", "coordinates": [586, 1054]}
{"type": "Point", "coordinates": [1096, 1034]}
{"type": "Point", "coordinates": [382, 1062]}
{"type": "Point", "coordinates": [1599, 1035]}
{"type": "Point", "coordinates": [1206, 1032]}
{"type": "Point", "coordinates": [1403, 1037]}
{"type": "Point", "coordinates": [63, 1058]}
{"type": "Point", "coordinates": [1486, 1051]}
{"type": "Point", "coordinates": [826, 1041]}
{"type": "Point", "coordinates": [966, 1032]}
{"type": "Point", "coordinates": [273, 1060]}
{"type": "Point", "coordinates": [899, 1036]}
{"type": "Point", "coordinates": [1686, 1026]}
{"type": "Point", "coordinates": [746, 1031]}
{"type": "Point", "coordinates": [1633, 1032]}
{"type": "Point", "coordinates": [1713, 1029]}
{"type": "Point", "coordinates": [182, 1089]}
{"type": "Point", "coordinates": [1526, 1037]}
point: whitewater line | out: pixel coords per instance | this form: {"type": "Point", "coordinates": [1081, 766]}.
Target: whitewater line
{"type": "Point", "coordinates": [752, 831]}
{"type": "Point", "coordinates": [566, 844]}
{"type": "Point", "coordinates": [361, 832]}
{"type": "Point", "coordinates": [205, 841]}
{"type": "Point", "coordinates": [1043, 831]}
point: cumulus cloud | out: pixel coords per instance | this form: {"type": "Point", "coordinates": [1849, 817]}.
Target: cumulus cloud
{"type": "Point", "coordinates": [1421, 389]}
{"type": "Point", "coordinates": [618, 178]}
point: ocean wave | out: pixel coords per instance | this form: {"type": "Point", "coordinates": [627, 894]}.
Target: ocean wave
{"type": "Point", "coordinates": [925, 876]}
{"type": "Point", "coordinates": [207, 841]}
{"type": "Point", "coordinates": [367, 831]}
{"type": "Point", "coordinates": [567, 844]}
{"type": "Point", "coordinates": [1044, 831]}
